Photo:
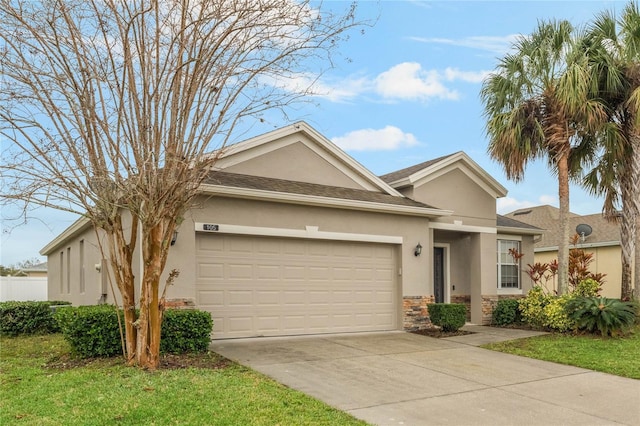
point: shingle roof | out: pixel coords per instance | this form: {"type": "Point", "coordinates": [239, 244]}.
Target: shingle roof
{"type": "Point", "coordinates": [236, 180]}
{"type": "Point", "coordinates": [507, 222]}
{"type": "Point", "coordinates": [404, 173]}
{"type": "Point", "coordinates": [547, 218]}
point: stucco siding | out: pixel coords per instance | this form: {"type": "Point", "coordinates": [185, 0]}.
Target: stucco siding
{"type": "Point", "coordinates": [606, 261]}
{"type": "Point", "coordinates": [73, 276]}
{"type": "Point", "coordinates": [220, 210]}
{"type": "Point", "coordinates": [455, 191]}
{"type": "Point", "coordinates": [295, 162]}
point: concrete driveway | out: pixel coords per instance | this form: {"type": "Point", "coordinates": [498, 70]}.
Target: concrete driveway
{"type": "Point", "coordinates": [399, 378]}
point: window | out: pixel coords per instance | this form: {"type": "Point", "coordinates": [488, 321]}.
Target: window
{"type": "Point", "coordinates": [508, 267]}
{"type": "Point", "coordinates": [69, 270]}
{"type": "Point", "coordinates": [61, 272]}
{"type": "Point", "coordinates": [81, 254]}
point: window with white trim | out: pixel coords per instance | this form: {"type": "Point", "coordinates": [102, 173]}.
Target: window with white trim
{"type": "Point", "coordinates": [508, 265]}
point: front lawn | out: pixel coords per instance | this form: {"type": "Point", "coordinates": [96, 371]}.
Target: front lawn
{"type": "Point", "coordinates": [41, 384]}
{"type": "Point", "coordinates": [611, 355]}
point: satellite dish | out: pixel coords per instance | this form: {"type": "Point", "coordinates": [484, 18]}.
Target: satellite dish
{"type": "Point", "coordinates": [584, 230]}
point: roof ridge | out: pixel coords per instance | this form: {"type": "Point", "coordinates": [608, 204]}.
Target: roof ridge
{"type": "Point", "coordinates": [408, 171]}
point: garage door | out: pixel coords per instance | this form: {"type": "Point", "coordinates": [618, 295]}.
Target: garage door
{"type": "Point", "coordinates": [265, 286]}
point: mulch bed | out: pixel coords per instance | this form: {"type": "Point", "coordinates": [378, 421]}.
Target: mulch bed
{"type": "Point", "coordinates": [438, 333]}
{"type": "Point", "coordinates": [208, 360]}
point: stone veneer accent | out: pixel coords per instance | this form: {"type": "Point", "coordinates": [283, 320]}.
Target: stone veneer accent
{"type": "Point", "coordinates": [463, 299]}
{"type": "Point", "coordinates": [179, 304]}
{"type": "Point", "coordinates": [490, 302]}
{"type": "Point", "coordinates": [415, 312]}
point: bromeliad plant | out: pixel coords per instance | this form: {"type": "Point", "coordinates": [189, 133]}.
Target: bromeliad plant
{"type": "Point", "coordinates": [607, 316]}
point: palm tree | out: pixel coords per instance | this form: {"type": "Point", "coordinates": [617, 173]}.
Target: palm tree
{"type": "Point", "coordinates": [614, 51]}
{"type": "Point", "coordinates": [537, 104]}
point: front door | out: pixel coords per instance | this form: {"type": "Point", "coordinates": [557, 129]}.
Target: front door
{"type": "Point", "coordinates": [438, 274]}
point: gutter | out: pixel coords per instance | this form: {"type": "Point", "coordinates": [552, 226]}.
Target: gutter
{"type": "Point", "coordinates": [314, 200]}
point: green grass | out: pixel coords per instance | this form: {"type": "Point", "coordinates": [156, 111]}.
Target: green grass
{"type": "Point", "coordinates": [613, 355]}
{"type": "Point", "coordinates": [107, 392]}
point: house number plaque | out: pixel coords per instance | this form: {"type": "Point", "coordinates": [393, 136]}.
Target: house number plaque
{"type": "Point", "coordinates": [210, 227]}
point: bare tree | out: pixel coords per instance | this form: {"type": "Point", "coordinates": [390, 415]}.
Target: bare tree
{"type": "Point", "coordinates": [111, 105]}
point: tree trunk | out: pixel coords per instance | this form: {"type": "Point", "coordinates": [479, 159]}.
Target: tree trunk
{"type": "Point", "coordinates": [121, 254]}
{"type": "Point", "coordinates": [635, 200]}
{"type": "Point", "coordinates": [563, 244]}
{"type": "Point", "coordinates": [627, 224]}
{"type": "Point", "coordinates": [150, 319]}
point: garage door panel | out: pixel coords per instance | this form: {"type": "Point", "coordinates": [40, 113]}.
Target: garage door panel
{"type": "Point", "coordinates": [210, 245]}
{"type": "Point", "coordinates": [211, 298]}
{"type": "Point", "coordinates": [267, 298]}
{"type": "Point", "coordinates": [295, 248]}
{"type": "Point", "coordinates": [260, 286]}
{"type": "Point", "coordinates": [210, 270]}
{"type": "Point", "coordinates": [267, 272]}
{"type": "Point", "coordinates": [293, 272]}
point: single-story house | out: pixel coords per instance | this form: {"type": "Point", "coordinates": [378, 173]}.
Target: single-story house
{"type": "Point", "coordinates": [292, 236]}
{"type": "Point", "coordinates": [596, 235]}
{"type": "Point", "coordinates": [38, 270]}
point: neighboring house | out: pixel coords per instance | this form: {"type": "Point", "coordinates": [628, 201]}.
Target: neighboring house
{"type": "Point", "coordinates": [603, 241]}
{"type": "Point", "coordinates": [292, 236]}
{"type": "Point", "coordinates": [38, 270]}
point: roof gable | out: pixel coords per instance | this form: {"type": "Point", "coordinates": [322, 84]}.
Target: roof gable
{"type": "Point", "coordinates": [425, 172]}
{"type": "Point", "coordinates": [301, 138]}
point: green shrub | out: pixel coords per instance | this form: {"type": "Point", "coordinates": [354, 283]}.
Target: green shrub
{"type": "Point", "coordinates": [601, 314]}
{"type": "Point", "coordinates": [27, 318]}
{"type": "Point", "coordinates": [448, 316]}
{"type": "Point", "coordinates": [185, 331]}
{"type": "Point", "coordinates": [555, 314]}
{"type": "Point", "coordinates": [532, 306]}
{"type": "Point", "coordinates": [506, 312]}
{"type": "Point", "coordinates": [92, 331]}
{"type": "Point", "coordinates": [587, 288]}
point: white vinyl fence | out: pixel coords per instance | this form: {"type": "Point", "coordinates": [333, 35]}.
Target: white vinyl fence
{"type": "Point", "coordinates": [23, 288]}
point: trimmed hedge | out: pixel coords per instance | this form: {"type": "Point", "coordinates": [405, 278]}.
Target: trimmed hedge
{"type": "Point", "coordinates": [92, 331]}
{"type": "Point", "coordinates": [28, 318]}
{"type": "Point", "coordinates": [448, 316]}
{"type": "Point", "coordinates": [506, 312]}
{"type": "Point", "coordinates": [185, 331]}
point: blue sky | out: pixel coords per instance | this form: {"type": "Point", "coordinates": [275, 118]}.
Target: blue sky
{"type": "Point", "coordinates": [408, 93]}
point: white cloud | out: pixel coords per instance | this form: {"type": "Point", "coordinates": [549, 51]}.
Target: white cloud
{"type": "Point", "coordinates": [508, 204]}
{"type": "Point", "coordinates": [404, 81]}
{"type": "Point", "coordinates": [409, 81]}
{"type": "Point", "coordinates": [495, 44]}
{"type": "Point", "coordinates": [386, 139]}
{"type": "Point", "coordinates": [453, 74]}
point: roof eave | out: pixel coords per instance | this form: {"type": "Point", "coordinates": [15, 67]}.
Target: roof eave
{"type": "Point", "coordinates": [516, 230]}
{"type": "Point", "coordinates": [76, 227]}
{"type": "Point", "coordinates": [581, 246]}
{"type": "Point", "coordinates": [314, 200]}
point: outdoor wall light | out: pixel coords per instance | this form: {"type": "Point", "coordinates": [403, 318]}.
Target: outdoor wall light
{"type": "Point", "coordinates": [174, 238]}
{"type": "Point", "coordinates": [418, 250]}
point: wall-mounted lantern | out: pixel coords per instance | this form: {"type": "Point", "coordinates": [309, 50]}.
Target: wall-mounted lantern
{"type": "Point", "coordinates": [418, 250]}
{"type": "Point", "coordinates": [174, 238]}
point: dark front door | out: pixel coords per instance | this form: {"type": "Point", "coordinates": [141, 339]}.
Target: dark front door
{"type": "Point", "coordinates": [438, 274]}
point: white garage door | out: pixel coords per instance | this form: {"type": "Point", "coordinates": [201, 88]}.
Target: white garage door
{"type": "Point", "coordinates": [265, 286]}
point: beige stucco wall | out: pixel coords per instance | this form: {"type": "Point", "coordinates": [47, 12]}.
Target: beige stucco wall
{"type": "Point", "coordinates": [295, 162]}
{"type": "Point", "coordinates": [65, 269]}
{"type": "Point", "coordinates": [97, 282]}
{"type": "Point", "coordinates": [218, 210]}
{"type": "Point", "coordinates": [455, 191]}
{"type": "Point", "coordinates": [606, 261]}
